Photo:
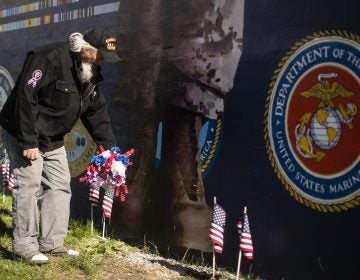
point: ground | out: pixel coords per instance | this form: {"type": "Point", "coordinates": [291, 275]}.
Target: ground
{"type": "Point", "coordinates": [144, 266]}
{"type": "Point", "coordinates": [101, 258]}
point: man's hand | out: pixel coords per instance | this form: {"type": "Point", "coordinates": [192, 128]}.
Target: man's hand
{"type": "Point", "coordinates": [31, 154]}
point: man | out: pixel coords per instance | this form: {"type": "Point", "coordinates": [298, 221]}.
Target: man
{"type": "Point", "coordinates": [58, 85]}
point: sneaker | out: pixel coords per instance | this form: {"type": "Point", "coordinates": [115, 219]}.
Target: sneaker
{"type": "Point", "coordinates": [62, 251]}
{"type": "Point", "coordinates": [34, 257]}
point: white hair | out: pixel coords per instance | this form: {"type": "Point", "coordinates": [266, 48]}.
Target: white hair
{"type": "Point", "coordinates": [77, 42]}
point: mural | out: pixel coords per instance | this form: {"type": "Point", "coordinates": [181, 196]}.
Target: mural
{"type": "Point", "coordinates": [177, 69]}
{"type": "Point", "coordinates": [208, 91]}
{"type": "Point", "coordinates": [180, 62]}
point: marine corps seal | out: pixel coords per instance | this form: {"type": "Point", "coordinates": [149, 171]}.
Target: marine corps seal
{"type": "Point", "coordinates": [6, 85]}
{"type": "Point", "coordinates": [312, 123]}
{"type": "Point", "coordinates": [80, 148]}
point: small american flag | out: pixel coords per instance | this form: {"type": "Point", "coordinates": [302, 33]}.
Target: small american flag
{"type": "Point", "coordinates": [246, 245]}
{"type": "Point", "coordinates": [108, 202]}
{"type": "Point", "coordinates": [7, 176]}
{"type": "Point", "coordinates": [11, 183]}
{"type": "Point", "coordinates": [217, 228]}
{"type": "Point", "coordinates": [5, 172]}
{"type": "Point", "coordinates": [94, 194]}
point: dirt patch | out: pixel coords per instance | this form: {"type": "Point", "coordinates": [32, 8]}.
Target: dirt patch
{"type": "Point", "coordinates": [140, 266]}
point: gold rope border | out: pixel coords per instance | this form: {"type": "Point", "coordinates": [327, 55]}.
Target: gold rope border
{"type": "Point", "coordinates": [317, 206]}
{"type": "Point", "coordinates": [213, 146]}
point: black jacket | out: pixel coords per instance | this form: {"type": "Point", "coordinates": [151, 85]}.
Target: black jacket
{"type": "Point", "coordinates": [48, 99]}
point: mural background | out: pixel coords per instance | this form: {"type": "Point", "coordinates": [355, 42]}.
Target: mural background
{"type": "Point", "coordinates": [291, 241]}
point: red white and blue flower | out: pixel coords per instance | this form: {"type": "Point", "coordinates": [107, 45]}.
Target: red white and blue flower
{"type": "Point", "coordinates": [107, 170]}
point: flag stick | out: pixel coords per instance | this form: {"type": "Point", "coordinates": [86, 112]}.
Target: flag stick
{"type": "Point", "coordinates": [213, 268]}
{"type": "Point", "coordinates": [3, 195]}
{"type": "Point", "coordinates": [238, 266]}
{"type": "Point", "coordinates": [92, 219]}
{"type": "Point", "coordinates": [104, 222]}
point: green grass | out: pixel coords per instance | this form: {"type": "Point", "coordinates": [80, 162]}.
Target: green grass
{"type": "Point", "coordinates": [95, 253]}
{"type": "Point", "coordinates": [80, 237]}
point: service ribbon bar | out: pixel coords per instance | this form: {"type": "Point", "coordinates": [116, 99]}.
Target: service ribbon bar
{"type": "Point", "coordinates": [61, 17]}
{"type": "Point", "coordinates": [14, 11]}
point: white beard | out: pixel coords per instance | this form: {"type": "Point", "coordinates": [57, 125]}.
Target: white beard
{"type": "Point", "coordinates": [86, 72]}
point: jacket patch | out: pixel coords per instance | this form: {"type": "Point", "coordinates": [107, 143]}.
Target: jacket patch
{"type": "Point", "coordinates": [36, 76]}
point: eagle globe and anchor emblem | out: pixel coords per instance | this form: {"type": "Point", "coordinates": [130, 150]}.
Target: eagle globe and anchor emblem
{"type": "Point", "coordinates": [324, 127]}
{"type": "Point", "coordinates": [312, 122]}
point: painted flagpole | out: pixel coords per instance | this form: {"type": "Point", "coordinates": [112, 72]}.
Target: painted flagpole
{"type": "Point", "coordinates": [213, 267]}
{"type": "Point", "coordinates": [240, 253]}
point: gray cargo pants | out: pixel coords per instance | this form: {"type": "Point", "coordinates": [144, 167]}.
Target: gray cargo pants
{"type": "Point", "coordinates": [41, 199]}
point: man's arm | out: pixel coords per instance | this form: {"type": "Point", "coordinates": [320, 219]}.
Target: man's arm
{"type": "Point", "coordinates": [31, 79]}
{"type": "Point", "coordinates": [97, 121]}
